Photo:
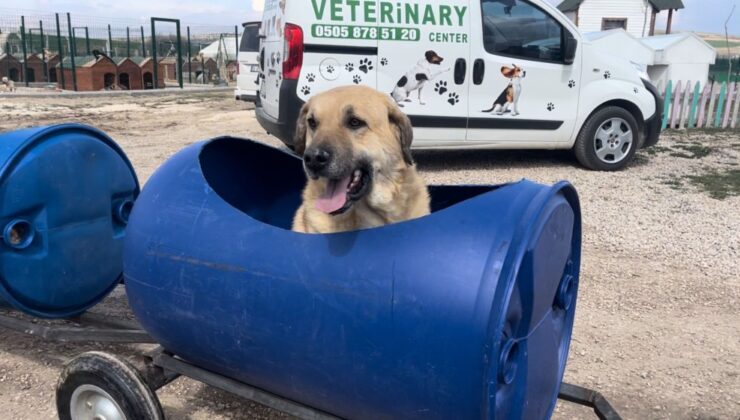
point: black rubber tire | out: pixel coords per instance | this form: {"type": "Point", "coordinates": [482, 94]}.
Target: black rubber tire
{"type": "Point", "coordinates": [113, 375]}
{"type": "Point", "coordinates": [584, 148]}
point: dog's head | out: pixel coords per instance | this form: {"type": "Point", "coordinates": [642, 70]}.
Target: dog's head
{"type": "Point", "coordinates": [513, 72]}
{"type": "Point", "coordinates": [351, 138]}
{"type": "Point", "coordinates": [433, 58]}
{"type": "Point", "coordinates": [5, 80]}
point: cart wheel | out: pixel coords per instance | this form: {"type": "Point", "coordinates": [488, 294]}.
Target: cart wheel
{"type": "Point", "coordinates": [99, 386]}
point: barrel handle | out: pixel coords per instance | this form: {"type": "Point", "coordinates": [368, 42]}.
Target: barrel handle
{"type": "Point", "coordinates": [19, 234]}
{"type": "Point", "coordinates": [566, 292]}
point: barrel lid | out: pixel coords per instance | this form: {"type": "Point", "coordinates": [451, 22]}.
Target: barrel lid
{"type": "Point", "coordinates": [65, 195]}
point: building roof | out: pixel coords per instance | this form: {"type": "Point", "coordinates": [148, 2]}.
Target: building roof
{"type": "Point", "coordinates": [83, 61]}
{"type": "Point", "coordinates": [663, 42]}
{"type": "Point", "coordinates": [572, 5]}
{"type": "Point", "coordinates": [3, 56]}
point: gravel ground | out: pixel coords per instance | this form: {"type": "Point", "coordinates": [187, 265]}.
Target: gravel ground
{"type": "Point", "coordinates": [657, 328]}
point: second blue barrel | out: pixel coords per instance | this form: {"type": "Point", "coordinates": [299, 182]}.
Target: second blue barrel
{"type": "Point", "coordinates": [66, 192]}
{"type": "Point", "coordinates": [464, 314]}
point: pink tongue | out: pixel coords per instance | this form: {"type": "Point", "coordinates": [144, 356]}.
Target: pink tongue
{"type": "Point", "coordinates": [335, 196]}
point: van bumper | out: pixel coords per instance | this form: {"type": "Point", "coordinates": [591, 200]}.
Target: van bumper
{"type": "Point", "coordinates": [654, 123]}
{"type": "Point", "coordinates": [290, 105]}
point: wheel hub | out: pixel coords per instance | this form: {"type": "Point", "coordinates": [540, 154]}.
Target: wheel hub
{"type": "Point", "coordinates": [90, 402]}
{"type": "Point", "coordinates": [613, 141]}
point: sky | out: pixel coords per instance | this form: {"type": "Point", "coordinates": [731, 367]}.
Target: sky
{"type": "Point", "coordinates": [699, 15]}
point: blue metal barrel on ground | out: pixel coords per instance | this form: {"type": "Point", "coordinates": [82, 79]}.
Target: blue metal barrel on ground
{"type": "Point", "coordinates": [464, 314]}
{"type": "Point", "coordinates": [66, 192]}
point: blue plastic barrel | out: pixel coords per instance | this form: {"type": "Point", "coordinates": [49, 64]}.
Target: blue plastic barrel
{"type": "Point", "coordinates": [464, 314]}
{"type": "Point", "coordinates": [66, 193]}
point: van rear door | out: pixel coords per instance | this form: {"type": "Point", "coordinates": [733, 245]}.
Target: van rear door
{"type": "Point", "coordinates": [271, 56]}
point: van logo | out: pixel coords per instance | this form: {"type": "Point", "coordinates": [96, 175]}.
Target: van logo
{"type": "Point", "coordinates": [385, 12]}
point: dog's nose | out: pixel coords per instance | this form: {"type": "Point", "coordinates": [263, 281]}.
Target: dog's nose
{"type": "Point", "coordinates": [317, 158]}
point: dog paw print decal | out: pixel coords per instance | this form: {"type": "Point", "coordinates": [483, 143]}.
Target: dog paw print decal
{"type": "Point", "coordinates": [357, 79]}
{"type": "Point", "coordinates": [453, 99]}
{"type": "Point", "coordinates": [310, 77]}
{"type": "Point", "coordinates": [572, 84]}
{"type": "Point", "coordinates": [366, 65]}
{"type": "Point", "coordinates": [441, 87]}
{"type": "Point", "coordinates": [306, 90]}
{"type": "Point", "coordinates": [349, 67]}
{"type": "Point", "coordinates": [330, 69]}
{"type": "Point", "coordinates": [384, 61]}
{"type": "Point", "coordinates": [636, 90]}
{"type": "Point", "coordinates": [551, 107]}
{"type": "Point", "coordinates": [607, 74]}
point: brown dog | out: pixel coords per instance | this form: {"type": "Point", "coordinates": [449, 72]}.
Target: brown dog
{"type": "Point", "coordinates": [356, 147]}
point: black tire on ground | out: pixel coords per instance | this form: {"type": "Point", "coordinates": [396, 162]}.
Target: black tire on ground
{"type": "Point", "coordinates": [92, 372]}
{"type": "Point", "coordinates": [585, 146]}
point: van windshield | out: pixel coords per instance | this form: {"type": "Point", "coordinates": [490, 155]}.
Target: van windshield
{"type": "Point", "coordinates": [250, 38]}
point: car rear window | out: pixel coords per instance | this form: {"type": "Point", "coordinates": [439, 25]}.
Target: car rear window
{"type": "Point", "coordinates": [250, 39]}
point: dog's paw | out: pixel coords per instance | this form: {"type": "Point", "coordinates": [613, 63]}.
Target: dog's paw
{"type": "Point", "coordinates": [330, 69]}
{"type": "Point", "coordinates": [607, 74]}
{"type": "Point", "coordinates": [572, 84]}
{"type": "Point", "coordinates": [350, 67]}
{"type": "Point", "coordinates": [310, 77]}
{"type": "Point", "coordinates": [306, 90]}
{"type": "Point", "coordinates": [357, 79]}
{"type": "Point", "coordinates": [441, 87]}
{"type": "Point", "coordinates": [550, 106]}
{"type": "Point", "coordinates": [636, 90]}
{"type": "Point", "coordinates": [384, 61]}
{"type": "Point", "coordinates": [366, 65]}
{"type": "Point", "coordinates": [453, 98]}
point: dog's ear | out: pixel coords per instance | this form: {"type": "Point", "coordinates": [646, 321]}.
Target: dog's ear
{"type": "Point", "coordinates": [507, 71]}
{"type": "Point", "coordinates": [405, 132]}
{"type": "Point", "coordinates": [299, 141]}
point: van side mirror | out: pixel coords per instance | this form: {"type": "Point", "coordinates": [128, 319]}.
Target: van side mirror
{"type": "Point", "coordinates": [569, 48]}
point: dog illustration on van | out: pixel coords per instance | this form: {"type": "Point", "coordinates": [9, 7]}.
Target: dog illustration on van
{"type": "Point", "coordinates": [508, 101]}
{"type": "Point", "coordinates": [426, 70]}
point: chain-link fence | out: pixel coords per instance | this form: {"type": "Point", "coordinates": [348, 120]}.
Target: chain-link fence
{"type": "Point", "coordinates": [91, 53]}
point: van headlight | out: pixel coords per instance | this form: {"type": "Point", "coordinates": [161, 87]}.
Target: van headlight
{"type": "Point", "coordinates": [641, 70]}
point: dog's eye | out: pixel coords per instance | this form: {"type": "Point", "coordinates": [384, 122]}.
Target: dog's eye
{"type": "Point", "coordinates": [356, 122]}
{"type": "Point", "coordinates": [312, 123]}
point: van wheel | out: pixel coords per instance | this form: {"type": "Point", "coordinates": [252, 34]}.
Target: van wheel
{"type": "Point", "coordinates": [97, 385]}
{"type": "Point", "coordinates": [608, 140]}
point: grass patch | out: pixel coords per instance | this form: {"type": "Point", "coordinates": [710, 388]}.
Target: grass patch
{"type": "Point", "coordinates": [652, 151]}
{"type": "Point", "coordinates": [692, 151]}
{"type": "Point", "coordinates": [718, 43]}
{"type": "Point", "coordinates": [719, 184]}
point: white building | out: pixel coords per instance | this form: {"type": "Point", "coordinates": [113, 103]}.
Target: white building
{"type": "Point", "coordinates": [684, 56]}
{"type": "Point", "coordinates": [620, 43]}
{"type": "Point", "coordinates": [635, 16]}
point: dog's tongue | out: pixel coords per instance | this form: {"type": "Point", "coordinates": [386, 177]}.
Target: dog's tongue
{"type": "Point", "coordinates": [335, 196]}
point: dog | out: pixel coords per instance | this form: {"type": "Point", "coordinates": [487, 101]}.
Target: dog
{"type": "Point", "coordinates": [8, 84]}
{"type": "Point", "coordinates": [356, 148]}
{"type": "Point", "coordinates": [509, 98]}
{"type": "Point", "coordinates": [417, 77]}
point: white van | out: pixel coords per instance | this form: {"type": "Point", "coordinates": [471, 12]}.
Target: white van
{"type": "Point", "coordinates": [505, 74]}
{"type": "Point", "coordinates": [247, 80]}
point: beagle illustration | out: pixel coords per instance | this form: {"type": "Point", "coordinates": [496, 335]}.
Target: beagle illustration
{"type": "Point", "coordinates": [509, 98]}
{"type": "Point", "coordinates": [417, 77]}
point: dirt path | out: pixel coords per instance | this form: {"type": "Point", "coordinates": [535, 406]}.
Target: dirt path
{"type": "Point", "coordinates": [657, 327]}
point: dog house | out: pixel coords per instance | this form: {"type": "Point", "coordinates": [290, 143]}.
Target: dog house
{"type": "Point", "coordinates": [66, 192]}
{"type": "Point", "coordinates": [51, 64]}
{"type": "Point", "coordinates": [11, 68]}
{"type": "Point", "coordinates": [463, 314]}
{"type": "Point", "coordinates": [204, 69]}
{"type": "Point", "coordinates": [129, 75]}
{"type": "Point", "coordinates": [35, 69]}
{"type": "Point", "coordinates": [146, 64]}
{"type": "Point", "coordinates": [620, 43]}
{"type": "Point", "coordinates": [92, 74]}
{"type": "Point", "coordinates": [680, 57]}
{"type": "Point", "coordinates": [169, 64]}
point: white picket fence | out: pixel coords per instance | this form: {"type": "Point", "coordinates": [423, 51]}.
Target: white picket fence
{"type": "Point", "coordinates": [688, 106]}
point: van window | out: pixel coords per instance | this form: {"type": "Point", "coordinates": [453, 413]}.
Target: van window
{"type": "Point", "coordinates": [250, 38]}
{"type": "Point", "coordinates": [516, 28]}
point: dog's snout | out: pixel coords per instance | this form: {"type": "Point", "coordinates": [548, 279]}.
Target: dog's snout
{"type": "Point", "coordinates": [317, 158]}
{"type": "Point", "coordinates": [524, 73]}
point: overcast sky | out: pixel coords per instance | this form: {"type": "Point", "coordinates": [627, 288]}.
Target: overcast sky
{"type": "Point", "coordinates": [699, 15]}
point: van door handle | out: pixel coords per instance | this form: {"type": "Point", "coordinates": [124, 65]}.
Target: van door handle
{"type": "Point", "coordinates": [461, 67]}
{"type": "Point", "coordinates": [479, 71]}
